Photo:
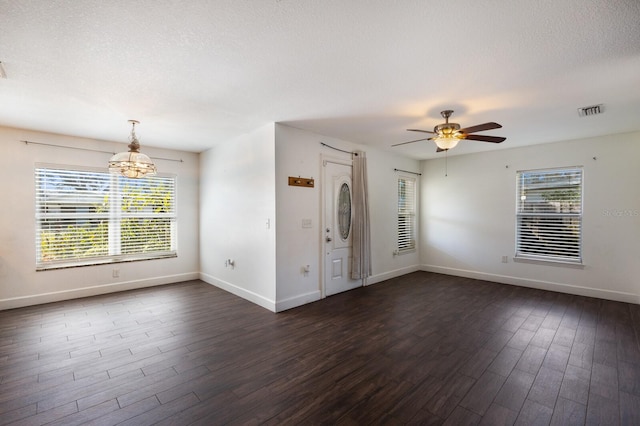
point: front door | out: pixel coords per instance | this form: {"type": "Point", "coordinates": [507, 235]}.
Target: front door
{"type": "Point", "coordinates": [336, 236]}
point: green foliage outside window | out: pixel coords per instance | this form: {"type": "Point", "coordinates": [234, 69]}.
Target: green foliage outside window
{"type": "Point", "coordinates": [75, 241]}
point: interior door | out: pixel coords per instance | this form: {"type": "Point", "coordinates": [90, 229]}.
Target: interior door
{"type": "Point", "coordinates": [338, 215]}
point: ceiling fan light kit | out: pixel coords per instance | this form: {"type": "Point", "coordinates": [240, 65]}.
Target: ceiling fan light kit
{"type": "Point", "coordinates": [445, 143]}
{"type": "Point", "coordinates": [132, 164]}
{"type": "Point", "coordinates": [447, 135]}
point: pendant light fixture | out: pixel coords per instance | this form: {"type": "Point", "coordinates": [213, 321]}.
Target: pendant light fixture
{"type": "Point", "coordinates": [132, 164]}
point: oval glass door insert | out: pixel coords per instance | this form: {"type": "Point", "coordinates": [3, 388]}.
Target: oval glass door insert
{"type": "Point", "coordinates": [344, 211]}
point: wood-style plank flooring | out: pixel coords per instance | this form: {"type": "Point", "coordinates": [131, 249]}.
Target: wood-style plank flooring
{"type": "Point", "coordinates": [420, 349]}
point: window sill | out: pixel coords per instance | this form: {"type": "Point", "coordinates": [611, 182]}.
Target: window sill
{"type": "Point", "coordinates": [550, 262]}
{"type": "Point", "coordinates": [96, 262]}
{"type": "Point", "coordinates": [401, 252]}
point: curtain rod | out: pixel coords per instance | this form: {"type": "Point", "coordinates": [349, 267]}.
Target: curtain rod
{"type": "Point", "coordinates": [337, 149]}
{"type": "Point", "coordinates": [92, 150]}
{"type": "Point", "coordinates": [407, 171]}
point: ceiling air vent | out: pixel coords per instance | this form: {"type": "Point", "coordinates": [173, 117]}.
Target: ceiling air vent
{"type": "Point", "coordinates": [591, 110]}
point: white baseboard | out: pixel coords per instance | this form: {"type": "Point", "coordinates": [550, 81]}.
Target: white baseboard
{"type": "Point", "coordinates": [374, 279]}
{"type": "Point", "coordinates": [599, 293]}
{"type": "Point", "coordinates": [19, 302]}
{"type": "Point", "coordinates": [294, 302]}
{"type": "Point", "coordinates": [39, 299]}
{"type": "Point", "coordinates": [239, 291]}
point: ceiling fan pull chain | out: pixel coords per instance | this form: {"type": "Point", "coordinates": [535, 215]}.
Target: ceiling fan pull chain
{"type": "Point", "coordinates": [445, 163]}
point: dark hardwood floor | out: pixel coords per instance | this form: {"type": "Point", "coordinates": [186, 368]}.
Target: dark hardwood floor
{"type": "Point", "coordinates": [420, 349]}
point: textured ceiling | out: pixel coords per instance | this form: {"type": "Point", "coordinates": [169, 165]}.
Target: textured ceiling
{"type": "Point", "coordinates": [199, 73]}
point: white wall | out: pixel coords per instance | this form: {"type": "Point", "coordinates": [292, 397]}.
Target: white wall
{"type": "Point", "coordinates": [468, 217]}
{"type": "Point", "coordinates": [20, 284]}
{"type": "Point", "coordinates": [299, 153]}
{"type": "Point", "coordinates": [383, 198]}
{"type": "Point", "coordinates": [237, 200]}
{"type": "Point", "coordinates": [226, 196]}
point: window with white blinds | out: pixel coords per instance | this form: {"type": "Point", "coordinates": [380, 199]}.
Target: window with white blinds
{"type": "Point", "coordinates": [549, 214]}
{"type": "Point", "coordinates": [406, 214]}
{"type": "Point", "coordinates": [88, 217]}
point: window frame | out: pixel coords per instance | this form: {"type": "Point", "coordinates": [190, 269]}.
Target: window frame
{"type": "Point", "coordinates": [406, 214]}
{"type": "Point", "coordinates": [113, 191]}
{"type": "Point", "coordinates": [576, 217]}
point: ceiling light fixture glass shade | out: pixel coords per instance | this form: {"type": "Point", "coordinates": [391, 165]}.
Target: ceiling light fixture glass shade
{"type": "Point", "coordinates": [447, 133]}
{"type": "Point", "coordinates": [446, 142]}
{"type": "Point", "coordinates": [132, 164]}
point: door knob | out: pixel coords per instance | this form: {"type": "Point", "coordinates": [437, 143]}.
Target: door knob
{"type": "Point", "coordinates": [328, 239]}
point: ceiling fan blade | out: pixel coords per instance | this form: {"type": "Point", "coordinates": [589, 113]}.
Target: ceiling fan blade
{"type": "Point", "coordinates": [417, 140]}
{"type": "Point", "coordinates": [480, 128]}
{"type": "Point", "coordinates": [483, 138]}
{"type": "Point", "coordinates": [418, 130]}
{"type": "Point", "coordinates": [441, 150]}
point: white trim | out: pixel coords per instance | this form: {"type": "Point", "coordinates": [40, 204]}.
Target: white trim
{"type": "Point", "coordinates": [397, 252]}
{"type": "Point", "coordinates": [239, 291]}
{"type": "Point", "coordinates": [19, 302]}
{"type": "Point", "coordinates": [599, 293]}
{"type": "Point", "coordinates": [38, 299]}
{"type": "Point", "coordinates": [294, 302]}
{"type": "Point", "coordinates": [324, 159]}
{"type": "Point", "coordinates": [374, 279]}
{"type": "Point", "coordinates": [548, 261]}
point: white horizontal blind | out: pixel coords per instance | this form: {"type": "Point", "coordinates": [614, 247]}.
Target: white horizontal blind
{"type": "Point", "coordinates": [406, 213]}
{"type": "Point", "coordinates": [549, 214]}
{"type": "Point", "coordinates": [90, 217]}
{"type": "Point", "coordinates": [148, 215]}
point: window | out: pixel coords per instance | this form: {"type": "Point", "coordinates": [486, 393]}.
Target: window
{"type": "Point", "coordinates": [406, 214]}
{"type": "Point", "coordinates": [344, 211]}
{"type": "Point", "coordinates": [549, 214]}
{"type": "Point", "coordinates": [90, 217]}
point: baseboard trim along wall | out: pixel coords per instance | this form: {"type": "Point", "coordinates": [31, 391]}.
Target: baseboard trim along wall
{"type": "Point", "coordinates": [39, 299]}
{"type": "Point", "coordinates": [299, 300]}
{"type": "Point", "coordinates": [294, 302]}
{"type": "Point", "coordinates": [374, 279]}
{"type": "Point", "coordinates": [537, 284]}
{"type": "Point", "coordinates": [240, 292]}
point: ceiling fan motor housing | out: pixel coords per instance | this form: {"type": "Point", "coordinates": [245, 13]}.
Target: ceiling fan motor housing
{"type": "Point", "coordinates": [446, 128]}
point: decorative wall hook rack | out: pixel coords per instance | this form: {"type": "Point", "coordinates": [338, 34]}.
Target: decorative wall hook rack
{"type": "Point", "coordinates": [300, 181]}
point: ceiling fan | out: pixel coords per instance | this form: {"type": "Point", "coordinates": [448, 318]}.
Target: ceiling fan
{"type": "Point", "coordinates": [447, 135]}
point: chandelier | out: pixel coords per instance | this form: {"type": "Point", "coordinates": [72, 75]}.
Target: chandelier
{"type": "Point", "coordinates": [132, 164]}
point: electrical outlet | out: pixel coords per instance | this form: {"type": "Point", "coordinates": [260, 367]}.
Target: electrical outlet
{"type": "Point", "coordinates": [115, 273]}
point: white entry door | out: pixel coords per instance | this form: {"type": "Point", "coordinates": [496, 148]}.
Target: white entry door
{"type": "Point", "coordinates": [337, 232]}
